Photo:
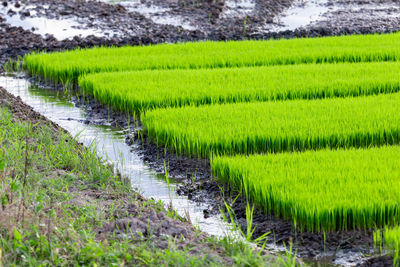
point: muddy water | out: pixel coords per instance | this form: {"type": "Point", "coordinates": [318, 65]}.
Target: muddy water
{"type": "Point", "coordinates": [238, 8]}
{"type": "Point", "coordinates": [301, 14]}
{"type": "Point", "coordinates": [158, 14]}
{"type": "Point", "coordinates": [111, 146]}
{"type": "Point", "coordinates": [61, 29]}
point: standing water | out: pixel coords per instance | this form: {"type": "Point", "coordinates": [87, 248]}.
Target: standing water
{"type": "Point", "coordinates": [111, 146]}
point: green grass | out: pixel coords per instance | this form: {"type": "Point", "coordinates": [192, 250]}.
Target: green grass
{"type": "Point", "coordinates": [55, 196]}
{"type": "Point", "coordinates": [142, 90]}
{"type": "Point", "coordinates": [66, 67]}
{"type": "Point", "coordinates": [321, 190]}
{"type": "Point", "coordinates": [276, 126]}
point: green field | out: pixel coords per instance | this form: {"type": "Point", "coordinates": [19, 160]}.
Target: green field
{"type": "Point", "coordinates": [277, 126]}
{"type": "Point", "coordinates": [68, 66]}
{"type": "Point", "coordinates": [326, 160]}
{"type": "Point", "coordinates": [323, 190]}
{"type": "Point", "coordinates": [142, 90]}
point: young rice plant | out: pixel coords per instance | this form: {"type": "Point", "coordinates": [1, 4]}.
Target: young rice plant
{"type": "Point", "coordinates": [66, 67]}
{"type": "Point", "coordinates": [277, 126]}
{"type": "Point", "coordinates": [141, 90]}
{"type": "Point", "coordinates": [321, 190]}
{"type": "Point", "coordinates": [389, 238]}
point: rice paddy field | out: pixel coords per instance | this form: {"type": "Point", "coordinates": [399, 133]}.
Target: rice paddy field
{"type": "Point", "coordinates": [68, 66]}
{"type": "Point", "coordinates": [308, 129]}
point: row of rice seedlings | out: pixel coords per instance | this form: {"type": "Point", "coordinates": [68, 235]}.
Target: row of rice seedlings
{"type": "Point", "coordinates": [389, 239]}
{"type": "Point", "coordinates": [142, 90]}
{"type": "Point", "coordinates": [277, 126]}
{"type": "Point", "coordinates": [325, 190]}
{"type": "Point", "coordinates": [66, 67]}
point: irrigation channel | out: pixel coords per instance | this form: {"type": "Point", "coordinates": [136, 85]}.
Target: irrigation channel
{"type": "Point", "coordinates": [111, 145]}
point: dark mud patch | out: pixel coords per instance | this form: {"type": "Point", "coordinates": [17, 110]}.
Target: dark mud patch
{"type": "Point", "coordinates": [111, 21]}
{"type": "Point", "coordinates": [364, 16]}
{"type": "Point", "coordinates": [381, 261]}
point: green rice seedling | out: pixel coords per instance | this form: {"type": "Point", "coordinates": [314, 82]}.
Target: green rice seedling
{"type": "Point", "coordinates": [277, 126]}
{"type": "Point", "coordinates": [142, 90]}
{"type": "Point", "coordinates": [389, 238]}
{"type": "Point", "coordinates": [321, 190]}
{"type": "Point", "coordinates": [67, 66]}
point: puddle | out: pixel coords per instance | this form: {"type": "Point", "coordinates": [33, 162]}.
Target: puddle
{"type": "Point", "coordinates": [159, 15]}
{"type": "Point", "coordinates": [60, 28]}
{"type": "Point", "coordinates": [111, 146]}
{"type": "Point", "coordinates": [304, 13]}
{"type": "Point", "coordinates": [301, 14]}
{"type": "Point", "coordinates": [383, 10]}
{"type": "Point", "coordinates": [238, 8]}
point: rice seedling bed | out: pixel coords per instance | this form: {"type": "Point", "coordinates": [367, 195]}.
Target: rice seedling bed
{"type": "Point", "coordinates": [321, 190]}
{"type": "Point", "coordinates": [66, 67]}
{"type": "Point", "coordinates": [277, 126]}
{"type": "Point", "coordinates": [141, 90]}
